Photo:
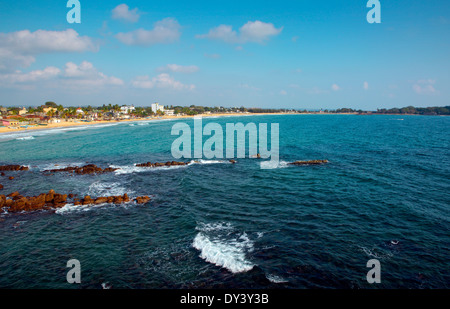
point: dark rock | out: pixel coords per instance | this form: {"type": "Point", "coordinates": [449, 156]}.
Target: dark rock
{"type": "Point", "coordinates": [13, 168]}
{"type": "Point", "coordinates": [84, 170]}
{"type": "Point", "coordinates": [11, 178]}
{"type": "Point", "coordinates": [172, 163]}
{"type": "Point", "coordinates": [1, 186]}
{"type": "Point", "coordinates": [312, 162]}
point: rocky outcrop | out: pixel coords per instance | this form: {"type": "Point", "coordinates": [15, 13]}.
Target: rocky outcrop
{"type": "Point", "coordinates": [312, 162]}
{"type": "Point", "coordinates": [87, 169]}
{"type": "Point", "coordinates": [10, 168]}
{"type": "Point", "coordinates": [120, 199]}
{"type": "Point", "coordinates": [233, 161]}
{"type": "Point", "coordinates": [15, 202]}
{"type": "Point", "coordinates": [11, 178]}
{"type": "Point", "coordinates": [172, 163]}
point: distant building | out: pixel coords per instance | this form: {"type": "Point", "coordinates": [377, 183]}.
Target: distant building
{"type": "Point", "coordinates": [8, 123]}
{"type": "Point", "coordinates": [169, 112]}
{"type": "Point", "coordinates": [23, 111]}
{"type": "Point", "coordinates": [127, 109]}
{"type": "Point", "coordinates": [157, 107]}
{"type": "Point", "coordinates": [47, 109]}
{"type": "Point", "coordinates": [79, 111]}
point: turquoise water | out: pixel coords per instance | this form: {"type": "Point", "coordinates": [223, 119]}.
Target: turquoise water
{"type": "Point", "coordinates": [384, 195]}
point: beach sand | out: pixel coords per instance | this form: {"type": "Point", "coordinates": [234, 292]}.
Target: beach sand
{"type": "Point", "coordinates": [74, 124]}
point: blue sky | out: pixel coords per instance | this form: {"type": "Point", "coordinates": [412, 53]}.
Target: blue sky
{"type": "Point", "coordinates": [272, 54]}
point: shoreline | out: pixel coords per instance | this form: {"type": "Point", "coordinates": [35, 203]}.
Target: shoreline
{"type": "Point", "coordinates": [5, 130]}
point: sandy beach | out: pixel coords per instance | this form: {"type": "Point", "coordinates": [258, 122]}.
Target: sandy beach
{"type": "Point", "coordinates": [80, 123]}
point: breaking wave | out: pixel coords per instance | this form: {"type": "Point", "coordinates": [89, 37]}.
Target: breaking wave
{"type": "Point", "coordinates": [220, 244]}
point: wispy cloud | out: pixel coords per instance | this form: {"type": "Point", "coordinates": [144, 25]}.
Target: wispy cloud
{"type": "Point", "coordinates": [165, 31]}
{"type": "Point", "coordinates": [366, 86]}
{"type": "Point", "coordinates": [247, 86]}
{"type": "Point", "coordinates": [84, 75]}
{"type": "Point", "coordinates": [179, 68]}
{"type": "Point", "coordinates": [163, 80]}
{"type": "Point", "coordinates": [212, 56]}
{"type": "Point", "coordinates": [252, 31]}
{"type": "Point", "coordinates": [335, 87]}
{"type": "Point", "coordinates": [123, 12]}
{"type": "Point", "coordinates": [425, 87]}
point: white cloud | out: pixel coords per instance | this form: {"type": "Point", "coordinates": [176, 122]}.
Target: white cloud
{"type": "Point", "coordinates": [18, 49]}
{"type": "Point", "coordinates": [33, 76]}
{"type": "Point", "coordinates": [258, 31]}
{"type": "Point", "coordinates": [179, 68]}
{"type": "Point", "coordinates": [366, 86]}
{"type": "Point", "coordinates": [283, 92]}
{"type": "Point", "coordinates": [86, 74]}
{"type": "Point", "coordinates": [123, 12]}
{"type": "Point", "coordinates": [163, 80]}
{"type": "Point", "coordinates": [72, 76]}
{"type": "Point", "coordinates": [165, 31]}
{"type": "Point", "coordinates": [252, 31]}
{"type": "Point", "coordinates": [425, 87]}
{"type": "Point", "coordinates": [335, 87]}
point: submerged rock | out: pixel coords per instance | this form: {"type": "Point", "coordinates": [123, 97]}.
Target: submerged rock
{"type": "Point", "coordinates": [150, 164]}
{"type": "Point", "coordinates": [1, 186]}
{"type": "Point", "coordinates": [312, 162]}
{"type": "Point", "coordinates": [87, 169]}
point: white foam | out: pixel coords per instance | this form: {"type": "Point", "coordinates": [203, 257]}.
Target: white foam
{"type": "Point", "coordinates": [25, 138]}
{"type": "Point", "coordinates": [71, 208]}
{"type": "Point", "coordinates": [130, 169]}
{"type": "Point", "coordinates": [274, 164]}
{"type": "Point", "coordinates": [54, 166]}
{"type": "Point", "coordinates": [220, 245]}
{"type": "Point", "coordinates": [42, 132]}
{"type": "Point", "coordinates": [276, 279]}
{"type": "Point", "coordinates": [107, 189]}
{"type": "Point", "coordinates": [201, 161]}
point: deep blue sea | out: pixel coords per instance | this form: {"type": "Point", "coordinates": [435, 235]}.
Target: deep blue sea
{"type": "Point", "coordinates": [384, 195]}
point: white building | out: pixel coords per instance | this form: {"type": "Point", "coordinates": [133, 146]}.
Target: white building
{"type": "Point", "coordinates": [127, 109]}
{"type": "Point", "coordinates": [157, 107]}
{"type": "Point", "coordinates": [169, 112]}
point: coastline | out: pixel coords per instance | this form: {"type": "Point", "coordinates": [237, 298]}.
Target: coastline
{"type": "Point", "coordinates": [4, 130]}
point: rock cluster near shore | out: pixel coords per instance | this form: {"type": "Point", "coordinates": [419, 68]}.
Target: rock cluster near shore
{"type": "Point", "coordinates": [312, 162]}
{"type": "Point", "coordinates": [120, 199]}
{"type": "Point", "coordinates": [83, 170]}
{"type": "Point", "coordinates": [15, 202]}
{"type": "Point", "coordinates": [172, 163]}
{"type": "Point", "coordinates": [11, 168]}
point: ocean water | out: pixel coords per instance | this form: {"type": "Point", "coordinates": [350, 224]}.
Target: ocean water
{"type": "Point", "coordinates": [384, 195]}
